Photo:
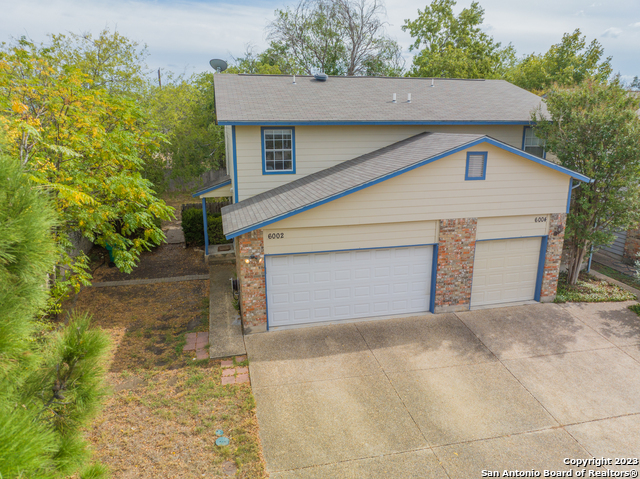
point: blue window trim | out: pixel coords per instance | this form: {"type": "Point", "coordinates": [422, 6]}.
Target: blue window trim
{"type": "Point", "coordinates": [235, 164]}
{"type": "Point", "coordinates": [471, 144]}
{"type": "Point", "coordinates": [524, 134]}
{"type": "Point", "coordinates": [293, 152]}
{"type": "Point", "coordinates": [484, 170]}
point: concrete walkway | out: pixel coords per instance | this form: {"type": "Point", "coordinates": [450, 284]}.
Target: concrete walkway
{"type": "Point", "coordinates": [225, 329]}
{"type": "Point", "coordinates": [450, 395]}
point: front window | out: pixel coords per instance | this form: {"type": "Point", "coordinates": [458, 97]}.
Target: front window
{"type": "Point", "coordinates": [533, 144]}
{"type": "Point", "coordinates": [278, 148]}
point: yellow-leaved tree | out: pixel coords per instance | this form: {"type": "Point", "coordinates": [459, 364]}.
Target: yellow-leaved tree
{"type": "Point", "coordinates": [86, 145]}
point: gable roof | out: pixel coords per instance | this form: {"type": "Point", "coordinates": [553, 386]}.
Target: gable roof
{"type": "Point", "coordinates": [356, 174]}
{"type": "Point", "coordinates": [215, 185]}
{"type": "Point", "coordinates": [275, 100]}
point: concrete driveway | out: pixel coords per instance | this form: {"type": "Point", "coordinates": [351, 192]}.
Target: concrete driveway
{"type": "Point", "coordinates": [450, 395]}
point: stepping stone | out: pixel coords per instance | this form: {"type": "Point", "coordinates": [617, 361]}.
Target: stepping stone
{"type": "Point", "coordinates": [242, 378]}
{"type": "Point", "coordinates": [226, 363]}
{"type": "Point", "coordinates": [189, 347]}
{"type": "Point", "coordinates": [242, 370]}
{"type": "Point", "coordinates": [203, 336]}
{"type": "Point", "coordinates": [228, 372]}
{"type": "Point", "coordinates": [202, 354]}
{"type": "Point", "coordinates": [239, 359]}
{"type": "Point", "coordinates": [228, 380]}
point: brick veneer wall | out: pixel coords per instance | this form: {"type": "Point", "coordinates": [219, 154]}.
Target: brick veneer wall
{"type": "Point", "coordinates": [253, 304]}
{"type": "Point", "coordinates": [557, 223]}
{"type": "Point", "coordinates": [456, 250]}
{"type": "Point", "coordinates": [632, 244]}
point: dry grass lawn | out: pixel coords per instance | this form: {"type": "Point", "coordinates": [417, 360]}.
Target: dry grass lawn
{"type": "Point", "coordinates": [161, 419]}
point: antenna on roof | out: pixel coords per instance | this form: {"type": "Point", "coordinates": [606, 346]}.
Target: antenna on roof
{"type": "Point", "coordinates": [218, 65]}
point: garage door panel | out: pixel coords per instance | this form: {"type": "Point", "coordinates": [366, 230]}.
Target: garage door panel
{"type": "Point", "coordinates": [348, 284]}
{"type": "Point", "coordinates": [505, 271]}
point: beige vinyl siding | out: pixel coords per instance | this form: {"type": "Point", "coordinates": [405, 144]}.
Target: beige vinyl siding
{"type": "Point", "coordinates": [512, 226]}
{"type": "Point", "coordinates": [320, 147]}
{"type": "Point", "coordinates": [514, 186]}
{"type": "Point", "coordinates": [304, 240]}
{"type": "Point", "coordinates": [222, 192]}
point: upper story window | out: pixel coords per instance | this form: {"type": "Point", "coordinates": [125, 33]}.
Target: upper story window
{"type": "Point", "coordinates": [278, 150]}
{"type": "Point", "coordinates": [532, 144]}
{"type": "Point", "coordinates": [476, 165]}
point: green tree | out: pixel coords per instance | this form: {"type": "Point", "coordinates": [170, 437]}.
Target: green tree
{"type": "Point", "coordinates": [110, 60]}
{"type": "Point", "coordinates": [455, 46]}
{"type": "Point", "coordinates": [336, 37]}
{"type": "Point", "coordinates": [593, 128]}
{"type": "Point", "coordinates": [51, 383]}
{"type": "Point", "coordinates": [86, 147]}
{"type": "Point", "coordinates": [567, 63]}
{"type": "Point", "coordinates": [184, 111]}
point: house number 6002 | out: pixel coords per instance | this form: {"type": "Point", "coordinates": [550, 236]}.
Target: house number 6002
{"type": "Point", "coordinates": [541, 219]}
{"type": "Point", "coordinates": [275, 235]}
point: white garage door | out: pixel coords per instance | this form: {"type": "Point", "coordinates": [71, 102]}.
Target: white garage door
{"type": "Point", "coordinates": [505, 271]}
{"type": "Point", "coordinates": [315, 287]}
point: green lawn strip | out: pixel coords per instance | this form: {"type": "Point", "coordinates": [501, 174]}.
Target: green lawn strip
{"type": "Point", "coordinates": [590, 289]}
{"type": "Point", "coordinates": [617, 275]}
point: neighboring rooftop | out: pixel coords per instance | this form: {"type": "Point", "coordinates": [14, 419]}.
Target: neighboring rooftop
{"type": "Point", "coordinates": [352, 175]}
{"type": "Point", "coordinates": [275, 99]}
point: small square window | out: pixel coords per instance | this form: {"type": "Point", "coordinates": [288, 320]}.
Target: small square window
{"type": "Point", "coordinates": [476, 166]}
{"type": "Point", "coordinates": [278, 150]}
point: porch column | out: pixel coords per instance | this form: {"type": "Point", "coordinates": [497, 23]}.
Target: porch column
{"type": "Point", "coordinates": [206, 226]}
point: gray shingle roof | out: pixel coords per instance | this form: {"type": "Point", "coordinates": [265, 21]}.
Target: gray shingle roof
{"type": "Point", "coordinates": [215, 184]}
{"type": "Point", "coordinates": [321, 186]}
{"type": "Point", "coordinates": [265, 99]}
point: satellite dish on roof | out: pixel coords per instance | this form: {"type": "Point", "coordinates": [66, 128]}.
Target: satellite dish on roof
{"type": "Point", "coordinates": [218, 65]}
{"type": "Point", "coordinates": [321, 76]}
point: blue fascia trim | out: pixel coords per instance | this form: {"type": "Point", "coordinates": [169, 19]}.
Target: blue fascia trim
{"type": "Point", "coordinates": [293, 153]}
{"type": "Point", "coordinates": [405, 170]}
{"type": "Point", "coordinates": [350, 122]}
{"type": "Point", "coordinates": [543, 255]}
{"type": "Point", "coordinates": [484, 170]}
{"type": "Point", "coordinates": [213, 188]}
{"type": "Point", "coordinates": [206, 226]}
{"type": "Point", "coordinates": [569, 195]}
{"type": "Point", "coordinates": [434, 279]}
{"type": "Point", "coordinates": [352, 249]}
{"type": "Point", "coordinates": [235, 164]}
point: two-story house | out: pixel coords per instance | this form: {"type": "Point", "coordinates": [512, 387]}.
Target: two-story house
{"type": "Point", "coordinates": [361, 197]}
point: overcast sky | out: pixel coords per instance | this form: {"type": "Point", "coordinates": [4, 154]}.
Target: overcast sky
{"type": "Point", "coordinates": [183, 36]}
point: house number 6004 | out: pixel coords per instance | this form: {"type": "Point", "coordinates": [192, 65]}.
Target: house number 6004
{"type": "Point", "coordinates": [275, 235]}
{"type": "Point", "coordinates": [541, 219]}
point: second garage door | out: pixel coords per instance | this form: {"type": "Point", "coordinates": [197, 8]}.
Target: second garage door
{"type": "Point", "coordinates": [316, 287]}
{"type": "Point", "coordinates": [505, 271]}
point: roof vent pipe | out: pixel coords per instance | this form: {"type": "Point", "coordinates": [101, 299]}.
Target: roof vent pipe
{"type": "Point", "coordinates": [294, 79]}
{"type": "Point", "coordinates": [432, 82]}
{"type": "Point", "coordinates": [394, 99]}
{"type": "Point", "coordinates": [408, 97]}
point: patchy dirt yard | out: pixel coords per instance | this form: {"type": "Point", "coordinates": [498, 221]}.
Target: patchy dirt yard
{"type": "Point", "coordinates": [162, 418]}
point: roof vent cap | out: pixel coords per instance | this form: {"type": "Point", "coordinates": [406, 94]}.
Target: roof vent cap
{"type": "Point", "coordinates": [321, 76]}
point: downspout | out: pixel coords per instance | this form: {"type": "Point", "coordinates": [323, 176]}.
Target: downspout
{"type": "Point", "coordinates": [206, 227]}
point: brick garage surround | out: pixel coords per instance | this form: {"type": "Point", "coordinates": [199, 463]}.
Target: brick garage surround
{"type": "Point", "coordinates": [557, 223]}
{"type": "Point", "coordinates": [253, 303]}
{"type": "Point", "coordinates": [456, 251]}
{"type": "Point", "coordinates": [632, 244]}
